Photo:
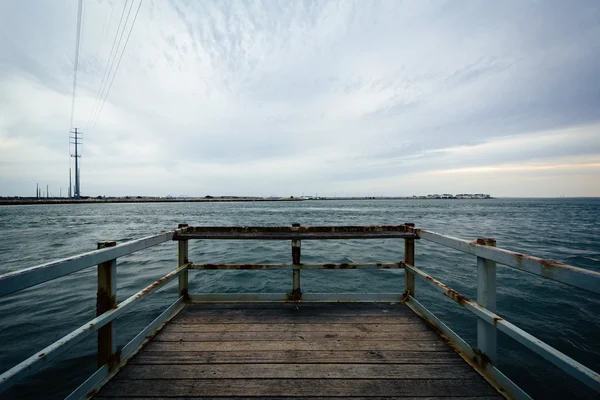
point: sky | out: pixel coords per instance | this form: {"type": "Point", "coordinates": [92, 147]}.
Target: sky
{"type": "Point", "coordinates": [283, 98]}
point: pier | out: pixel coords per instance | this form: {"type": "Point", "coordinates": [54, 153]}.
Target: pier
{"type": "Point", "coordinates": [267, 349]}
{"type": "Point", "coordinates": [298, 344]}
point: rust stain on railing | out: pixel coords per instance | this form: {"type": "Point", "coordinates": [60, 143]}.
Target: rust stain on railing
{"type": "Point", "coordinates": [451, 293]}
{"type": "Point", "coordinates": [380, 265]}
{"type": "Point", "coordinates": [237, 266]}
{"type": "Point", "coordinates": [159, 282]}
{"type": "Point", "coordinates": [548, 266]}
{"type": "Point", "coordinates": [302, 229]}
{"type": "Point", "coordinates": [295, 232]}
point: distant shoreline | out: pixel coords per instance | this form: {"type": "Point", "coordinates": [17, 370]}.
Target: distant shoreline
{"type": "Point", "coordinates": [5, 201]}
{"type": "Point", "coordinates": [20, 201]}
{"type": "Point", "coordinates": [28, 201]}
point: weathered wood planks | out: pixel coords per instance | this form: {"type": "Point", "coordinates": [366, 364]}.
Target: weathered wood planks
{"type": "Point", "coordinates": [170, 336]}
{"type": "Point", "coordinates": [299, 371]}
{"type": "Point", "coordinates": [285, 319]}
{"type": "Point", "coordinates": [307, 398]}
{"type": "Point", "coordinates": [297, 387]}
{"type": "Point", "coordinates": [340, 345]}
{"type": "Point", "coordinates": [289, 350]}
{"type": "Point", "coordinates": [391, 329]}
{"type": "Point", "coordinates": [305, 356]}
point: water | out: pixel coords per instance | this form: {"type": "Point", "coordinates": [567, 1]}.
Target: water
{"type": "Point", "coordinates": [567, 230]}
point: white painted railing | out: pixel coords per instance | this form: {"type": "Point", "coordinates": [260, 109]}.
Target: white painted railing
{"type": "Point", "coordinates": [483, 358]}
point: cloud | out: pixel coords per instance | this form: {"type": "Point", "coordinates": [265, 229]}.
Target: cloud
{"type": "Point", "coordinates": [267, 97]}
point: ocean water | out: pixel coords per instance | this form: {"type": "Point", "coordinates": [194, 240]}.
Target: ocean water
{"type": "Point", "coordinates": [566, 230]}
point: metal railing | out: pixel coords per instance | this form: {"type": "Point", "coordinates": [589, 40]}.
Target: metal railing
{"type": "Point", "coordinates": [107, 310]}
{"type": "Point", "coordinates": [483, 358]}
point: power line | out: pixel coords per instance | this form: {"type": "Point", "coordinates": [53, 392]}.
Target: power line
{"type": "Point", "coordinates": [108, 63]}
{"type": "Point", "coordinates": [119, 62]}
{"type": "Point", "coordinates": [112, 55]}
{"type": "Point", "coordinates": [102, 36]}
{"type": "Point", "coordinates": [76, 63]}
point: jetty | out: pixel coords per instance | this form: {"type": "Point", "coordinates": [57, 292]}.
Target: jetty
{"type": "Point", "coordinates": [299, 344]}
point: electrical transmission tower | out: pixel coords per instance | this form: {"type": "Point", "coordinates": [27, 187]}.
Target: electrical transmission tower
{"type": "Point", "coordinates": [76, 140]}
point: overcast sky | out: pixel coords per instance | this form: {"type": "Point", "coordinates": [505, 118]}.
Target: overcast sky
{"type": "Point", "coordinates": [291, 97]}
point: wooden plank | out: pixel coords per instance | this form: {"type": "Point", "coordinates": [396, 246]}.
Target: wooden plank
{"type": "Point", "coordinates": [299, 371]}
{"type": "Point", "coordinates": [265, 305]}
{"type": "Point", "coordinates": [294, 235]}
{"type": "Point", "coordinates": [294, 356]}
{"type": "Point", "coordinates": [298, 387]}
{"type": "Point", "coordinates": [245, 319]}
{"type": "Point", "coordinates": [319, 398]}
{"type": "Point", "coordinates": [301, 312]}
{"type": "Point", "coordinates": [294, 351]}
{"type": "Point", "coordinates": [290, 335]}
{"type": "Point", "coordinates": [346, 328]}
{"type": "Point", "coordinates": [410, 345]}
{"type": "Point", "coordinates": [329, 306]}
{"type": "Point", "coordinates": [303, 229]}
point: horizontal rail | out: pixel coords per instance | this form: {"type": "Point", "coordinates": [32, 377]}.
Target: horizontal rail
{"type": "Point", "coordinates": [28, 277]}
{"type": "Point", "coordinates": [500, 381]}
{"type": "Point", "coordinates": [44, 356]}
{"type": "Point", "coordinates": [295, 233]}
{"type": "Point", "coordinates": [353, 265]}
{"type": "Point", "coordinates": [562, 361]}
{"type": "Point", "coordinates": [97, 379]}
{"type": "Point", "coordinates": [300, 228]}
{"type": "Point", "coordinates": [577, 277]}
{"type": "Point", "coordinates": [306, 297]}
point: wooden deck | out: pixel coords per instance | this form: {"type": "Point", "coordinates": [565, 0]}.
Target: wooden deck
{"type": "Point", "coordinates": [286, 351]}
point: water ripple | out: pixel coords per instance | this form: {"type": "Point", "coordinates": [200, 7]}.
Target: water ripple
{"type": "Point", "coordinates": [563, 317]}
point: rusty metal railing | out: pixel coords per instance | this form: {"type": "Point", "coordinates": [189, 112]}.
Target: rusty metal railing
{"type": "Point", "coordinates": [483, 358]}
{"type": "Point", "coordinates": [107, 310]}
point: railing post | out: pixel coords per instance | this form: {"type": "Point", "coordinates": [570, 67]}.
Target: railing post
{"type": "Point", "coordinates": [183, 259]}
{"type": "Point", "coordinates": [296, 292]}
{"type": "Point", "coordinates": [486, 297]}
{"type": "Point", "coordinates": [106, 299]}
{"type": "Point", "coordinates": [409, 257]}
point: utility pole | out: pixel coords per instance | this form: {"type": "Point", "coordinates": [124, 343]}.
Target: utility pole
{"type": "Point", "coordinates": [47, 196]}
{"type": "Point", "coordinates": [37, 190]}
{"type": "Point", "coordinates": [70, 182]}
{"type": "Point", "coordinates": [76, 141]}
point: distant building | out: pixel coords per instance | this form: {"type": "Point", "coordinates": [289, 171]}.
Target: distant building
{"type": "Point", "coordinates": [458, 196]}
